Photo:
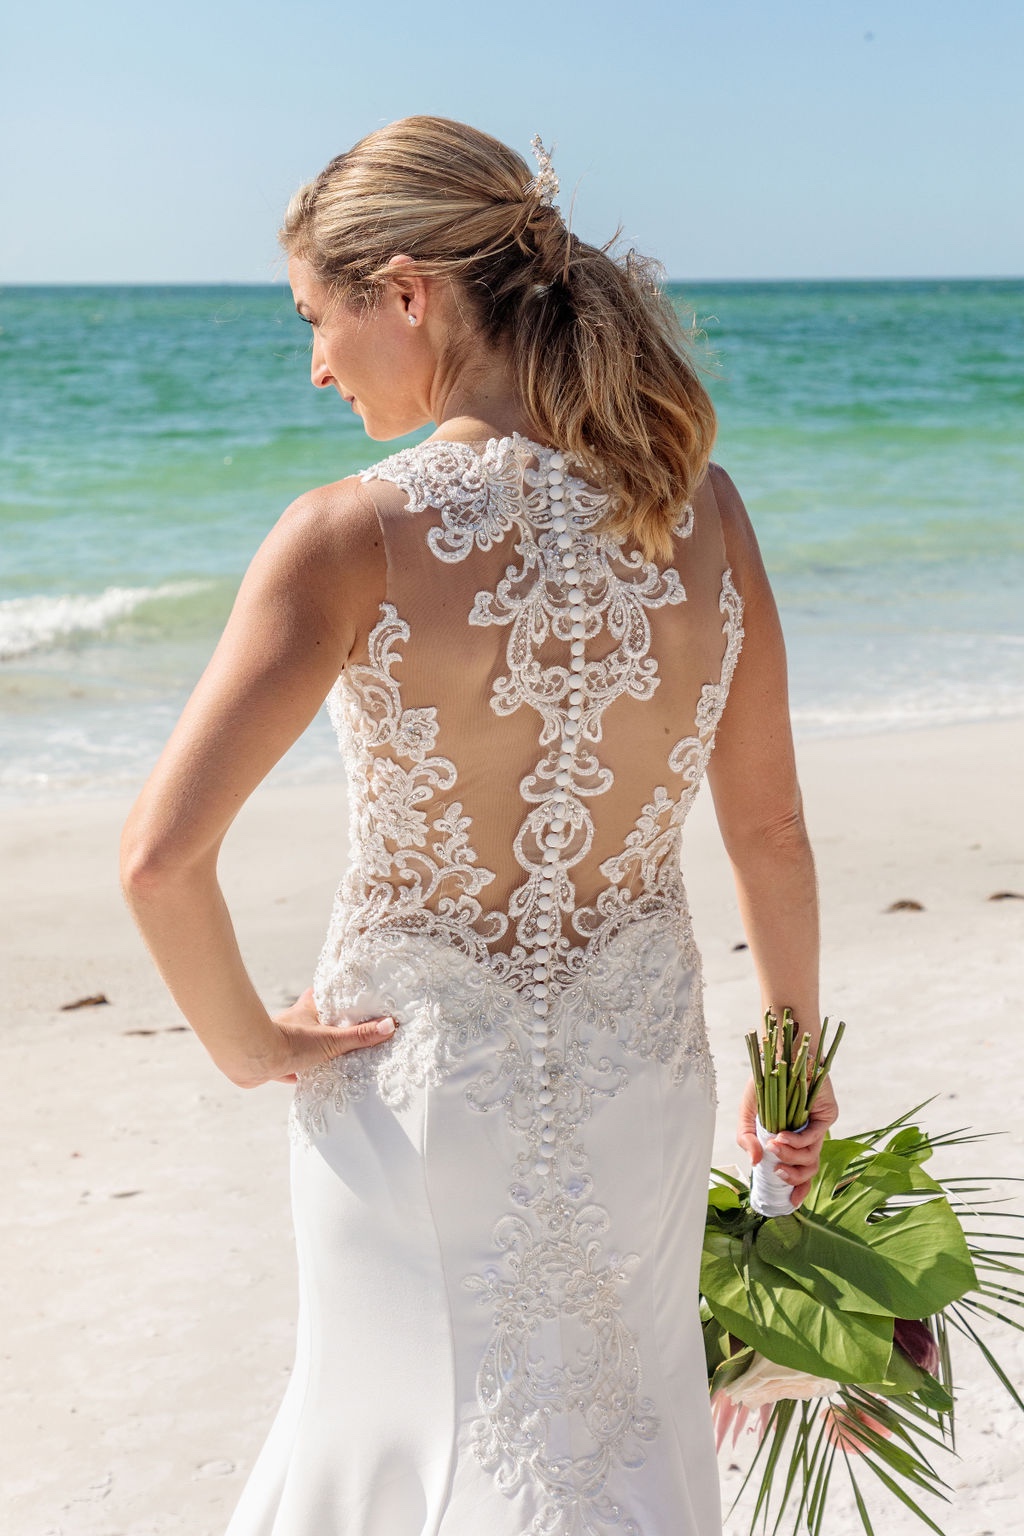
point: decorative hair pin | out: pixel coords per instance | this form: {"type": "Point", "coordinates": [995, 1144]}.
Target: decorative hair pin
{"type": "Point", "coordinates": [545, 184]}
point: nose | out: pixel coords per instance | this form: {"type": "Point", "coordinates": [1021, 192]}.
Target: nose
{"type": "Point", "coordinates": [319, 372]}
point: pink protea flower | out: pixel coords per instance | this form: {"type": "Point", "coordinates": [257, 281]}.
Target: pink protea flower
{"type": "Point", "coordinates": [726, 1412]}
{"type": "Point", "coordinates": [755, 1393]}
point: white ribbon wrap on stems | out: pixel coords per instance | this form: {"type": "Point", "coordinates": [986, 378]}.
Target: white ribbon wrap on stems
{"type": "Point", "coordinates": [770, 1195]}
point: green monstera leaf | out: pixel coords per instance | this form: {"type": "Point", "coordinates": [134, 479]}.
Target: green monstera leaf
{"type": "Point", "coordinates": [818, 1290]}
{"type": "Point", "coordinates": [907, 1262]}
{"type": "Point", "coordinates": [778, 1316]}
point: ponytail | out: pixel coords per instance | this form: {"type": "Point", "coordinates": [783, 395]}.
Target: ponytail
{"type": "Point", "coordinates": [602, 365]}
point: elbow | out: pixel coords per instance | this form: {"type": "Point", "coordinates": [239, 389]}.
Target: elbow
{"type": "Point", "coordinates": [149, 864]}
{"type": "Point", "coordinates": [778, 835]}
{"type": "Point", "coordinates": [143, 868]}
{"type": "Point", "coordinates": [785, 830]}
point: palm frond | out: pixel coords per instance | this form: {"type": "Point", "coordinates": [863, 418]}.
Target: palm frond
{"type": "Point", "coordinates": [798, 1462]}
{"type": "Point", "coordinates": [894, 1488]}
{"type": "Point", "coordinates": [895, 1125]}
{"type": "Point", "coordinates": [782, 1423]}
{"type": "Point", "coordinates": [818, 1504]}
{"type": "Point", "coordinates": [862, 1508]}
{"type": "Point", "coordinates": [961, 1323]}
{"type": "Point", "coordinates": [908, 1464]}
{"type": "Point", "coordinates": [899, 1413]}
{"type": "Point", "coordinates": [763, 1448]}
{"type": "Point", "coordinates": [823, 1450]}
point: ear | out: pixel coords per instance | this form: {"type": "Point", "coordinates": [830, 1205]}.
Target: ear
{"type": "Point", "coordinates": [409, 292]}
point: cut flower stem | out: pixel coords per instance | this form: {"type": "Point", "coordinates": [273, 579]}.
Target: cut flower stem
{"type": "Point", "coordinates": [785, 1086]}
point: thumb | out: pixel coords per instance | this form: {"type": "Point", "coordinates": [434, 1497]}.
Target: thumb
{"type": "Point", "coordinates": [340, 1039]}
{"type": "Point", "coordinates": [752, 1147]}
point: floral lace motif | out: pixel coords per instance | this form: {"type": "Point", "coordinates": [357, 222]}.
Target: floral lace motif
{"type": "Point", "coordinates": [652, 850]}
{"type": "Point", "coordinates": [564, 1279]}
{"type": "Point", "coordinates": [399, 862]}
{"type": "Point", "coordinates": [562, 1020]}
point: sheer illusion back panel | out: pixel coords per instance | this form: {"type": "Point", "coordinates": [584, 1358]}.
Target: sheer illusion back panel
{"type": "Point", "coordinates": [476, 639]}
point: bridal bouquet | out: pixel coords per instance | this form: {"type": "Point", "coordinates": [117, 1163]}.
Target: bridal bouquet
{"type": "Point", "coordinates": [831, 1324]}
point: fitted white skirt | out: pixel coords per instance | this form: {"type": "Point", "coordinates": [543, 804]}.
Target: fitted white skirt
{"type": "Point", "coordinates": [492, 1343]}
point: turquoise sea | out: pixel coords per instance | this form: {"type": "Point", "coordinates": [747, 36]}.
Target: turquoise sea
{"type": "Point", "coordinates": [150, 436]}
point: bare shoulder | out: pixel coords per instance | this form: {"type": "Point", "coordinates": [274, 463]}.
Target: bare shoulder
{"type": "Point", "coordinates": [332, 535]}
{"type": "Point", "coordinates": [737, 532]}
{"type": "Point", "coordinates": [327, 552]}
{"type": "Point", "coordinates": [336, 523]}
{"type": "Point", "coordinates": [727, 498]}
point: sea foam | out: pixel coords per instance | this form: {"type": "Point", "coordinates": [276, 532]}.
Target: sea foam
{"type": "Point", "coordinates": [40, 623]}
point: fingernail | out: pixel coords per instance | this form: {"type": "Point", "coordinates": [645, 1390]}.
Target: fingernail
{"type": "Point", "coordinates": [385, 1026]}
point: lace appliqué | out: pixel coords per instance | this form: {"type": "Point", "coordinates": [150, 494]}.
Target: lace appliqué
{"type": "Point", "coordinates": [445, 1001]}
{"type": "Point", "coordinates": [559, 1354]}
{"type": "Point", "coordinates": [650, 859]}
{"type": "Point", "coordinates": [556, 1284]}
{"type": "Point", "coordinates": [562, 1020]}
{"type": "Point", "coordinates": [479, 496]}
{"type": "Point", "coordinates": [574, 583]}
{"type": "Point", "coordinates": [561, 1283]}
{"type": "Point", "coordinates": [399, 862]}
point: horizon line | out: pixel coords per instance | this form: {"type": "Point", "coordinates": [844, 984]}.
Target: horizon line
{"type": "Point", "coordinates": [976, 277]}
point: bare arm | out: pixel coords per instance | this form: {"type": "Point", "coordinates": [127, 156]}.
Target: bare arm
{"type": "Point", "coordinates": [757, 798]}
{"type": "Point", "coordinates": [753, 779]}
{"type": "Point", "coordinates": [315, 579]}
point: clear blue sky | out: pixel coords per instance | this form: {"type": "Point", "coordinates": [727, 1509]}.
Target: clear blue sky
{"type": "Point", "coordinates": [149, 142]}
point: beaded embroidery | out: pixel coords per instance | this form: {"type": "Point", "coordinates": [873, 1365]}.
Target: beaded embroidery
{"type": "Point", "coordinates": [549, 1007]}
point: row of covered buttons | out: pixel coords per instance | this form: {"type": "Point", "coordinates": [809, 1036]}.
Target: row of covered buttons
{"type": "Point", "coordinates": [567, 557]}
{"type": "Point", "coordinates": [547, 921]}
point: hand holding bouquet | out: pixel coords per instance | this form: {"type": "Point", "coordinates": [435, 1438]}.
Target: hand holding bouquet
{"type": "Point", "coordinates": [785, 1112]}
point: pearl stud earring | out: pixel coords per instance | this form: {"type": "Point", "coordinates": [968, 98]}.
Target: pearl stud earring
{"type": "Point", "coordinates": [412, 319]}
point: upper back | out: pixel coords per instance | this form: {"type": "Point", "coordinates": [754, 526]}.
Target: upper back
{"type": "Point", "coordinates": [536, 707]}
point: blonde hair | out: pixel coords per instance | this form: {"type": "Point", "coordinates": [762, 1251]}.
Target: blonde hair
{"type": "Point", "coordinates": [601, 362]}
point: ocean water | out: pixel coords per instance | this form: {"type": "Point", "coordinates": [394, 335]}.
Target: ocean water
{"type": "Point", "coordinates": [149, 437]}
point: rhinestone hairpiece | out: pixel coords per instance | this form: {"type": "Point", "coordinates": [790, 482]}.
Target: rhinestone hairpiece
{"type": "Point", "coordinates": [545, 184]}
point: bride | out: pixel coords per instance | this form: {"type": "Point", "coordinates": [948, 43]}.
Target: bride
{"type": "Point", "coordinates": [536, 631]}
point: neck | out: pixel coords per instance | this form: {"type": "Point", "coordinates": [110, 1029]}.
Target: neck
{"type": "Point", "coordinates": [480, 401]}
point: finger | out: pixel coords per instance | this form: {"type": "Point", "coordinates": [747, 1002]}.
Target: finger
{"type": "Point", "coordinates": [796, 1176]}
{"type": "Point", "coordinates": [752, 1147]}
{"type": "Point", "coordinates": [800, 1183]}
{"type": "Point", "coordinates": [806, 1160]}
{"type": "Point", "coordinates": [812, 1135]}
{"type": "Point", "coordinates": [807, 1168]}
{"type": "Point", "coordinates": [354, 1037]}
{"type": "Point", "coordinates": [307, 1002]}
{"type": "Point", "coordinates": [302, 1012]}
{"type": "Point", "coordinates": [798, 1148]}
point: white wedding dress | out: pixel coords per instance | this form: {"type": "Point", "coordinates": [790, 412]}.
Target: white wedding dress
{"type": "Point", "coordinates": [499, 1211]}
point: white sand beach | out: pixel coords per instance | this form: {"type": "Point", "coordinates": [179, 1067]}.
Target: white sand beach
{"type": "Point", "coordinates": [148, 1287]}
